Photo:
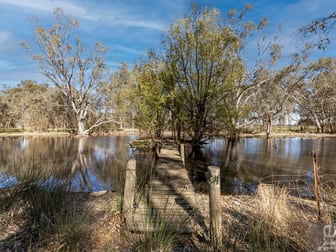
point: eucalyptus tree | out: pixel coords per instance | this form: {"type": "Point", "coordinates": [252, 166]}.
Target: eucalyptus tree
{"type": "Point", "coordinates": [318, 97]}
{"type": "Point", "coordinates": [233, 111]}
{"type": "Point", "coordinates": [150, 95]}
{"type": "Point", "coordinates": [273, 99]}
{"type": "Point", "coordinates": [115, 95]}
{"type": "Point", "coordinates": [75, 70]}
{"type": "Point", "coordinates": [26, 104]}
{"type": "Point", "coordinates": [5, 120]}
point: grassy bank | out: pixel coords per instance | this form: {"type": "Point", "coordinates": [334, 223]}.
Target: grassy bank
{"type": "Point", "coordinates": [34, 219]}
{"type": "Point", "coordinates": [38, 216]}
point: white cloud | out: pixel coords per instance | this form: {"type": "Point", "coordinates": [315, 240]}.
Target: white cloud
{"type": "Point", "coordinates": [133, 22]}
{"type": "Point", "coordinates": [50, 5]}
{"type": "Point", "coordinates": [127, 49]}
{"type": "Point", "coordinates": [313, 8]}
{"type": "Point", "coordinates": [118, 13]}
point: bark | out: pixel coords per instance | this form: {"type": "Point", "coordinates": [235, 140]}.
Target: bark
{"type": "Point", "coordinates": [269, 127]}
{"type": "Point", "coordinates": [318, 124]}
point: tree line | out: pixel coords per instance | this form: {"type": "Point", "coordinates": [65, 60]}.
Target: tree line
{"type": "Point", "coordinates": [200, 84]}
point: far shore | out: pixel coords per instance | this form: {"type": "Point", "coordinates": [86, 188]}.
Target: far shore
{"type": "Point", "coordinates": [135, 132]}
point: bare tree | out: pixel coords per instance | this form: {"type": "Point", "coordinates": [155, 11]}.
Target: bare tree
{"type": "Point", "coordinates": [76, 71]}
{"type": "Point", "coordinates": [320, 29]}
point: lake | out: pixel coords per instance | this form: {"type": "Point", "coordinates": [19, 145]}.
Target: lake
{"type": "Point", "coordinates": [254, 160]}
{"type": "Point", "coordinates": [98, 163]}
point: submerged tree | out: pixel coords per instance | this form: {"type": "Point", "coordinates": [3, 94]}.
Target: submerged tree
{"type": "Point", "coordinates": [150, 96]}
{"type": "Point", "coordinates": [204, 58]}
{"type": "Point", "coordinates": [200, 56]}
{"type": "Point", "coordinates": [76, 71]}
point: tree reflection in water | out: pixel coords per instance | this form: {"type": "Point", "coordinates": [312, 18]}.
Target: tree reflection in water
{"type": "Point", "coordinates": [251, 160]}
{"type": "Point", "coordinates": [85, 163]}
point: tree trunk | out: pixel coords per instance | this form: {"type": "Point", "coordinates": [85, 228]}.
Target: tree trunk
{"type": "Point", "coordinates": [331, 126]}
{"type": "Point", "coordinates": [318, 124]}
{"type": "Point", "coordinates": [269, 127]}
{"type": "Point", "coordinates": [81, 129]}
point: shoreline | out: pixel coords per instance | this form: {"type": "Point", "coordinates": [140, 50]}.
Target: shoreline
{"type": "Point", "coordinates": [135, 132]}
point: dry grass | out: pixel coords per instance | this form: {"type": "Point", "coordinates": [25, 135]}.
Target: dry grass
{"type": "Point", "coordinates": [271, 220]}
{"type": "Point", "coordinates": [83, 222]}
{"type": "Point", "coordinates": [272, 205]}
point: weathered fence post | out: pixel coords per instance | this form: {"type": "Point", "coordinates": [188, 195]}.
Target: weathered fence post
{"type": "Point", "coordinates": [316, 184]}
{"type": "Point", "coordinates": [129, 191]}
{"type": "Point", "coordinates": [213, 176]}
{"type": "Point", "coordinates": [182, 153]}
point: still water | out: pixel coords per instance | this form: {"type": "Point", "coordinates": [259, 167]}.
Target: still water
{"type": "Point", "coordinates": [254, 160]}
{"type": "Point", "coordinates": [86, 163]}
{"type": "Point", "coordinates": [98, 163]}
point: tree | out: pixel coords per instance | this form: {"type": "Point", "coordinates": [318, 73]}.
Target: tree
{"type": "Point", "coordinates": [26, 105]}
{"type": "Point", "coordinates": [201, 55]}
{"type": "Point", "coordinates": [233, 111]}
{"type": "Point", "coordinates": [115, 95]}
{"type": "Point", "coordinates": [5, 121]}
{"type": "Point", "coordinates": [151, 95]}
{"type": "Point", "coordinates": [76, 71]}
{"type": "Point", "coordinates": [318, 97]}
{"type": "Point", "coordinates": [274, 98]}
{"type": "Point", "coordinates": [320, 29]}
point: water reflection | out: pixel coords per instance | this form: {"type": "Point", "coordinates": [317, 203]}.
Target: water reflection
{"type": "Point", "coordinates": [251, 160]}
{"type": "Point", "coordinates": [98, 163]}
{"type": "Point", "coordinates": [86, 163]}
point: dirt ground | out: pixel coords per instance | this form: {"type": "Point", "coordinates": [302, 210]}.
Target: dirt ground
{"type": "Point", "coordinates": [108, 233]}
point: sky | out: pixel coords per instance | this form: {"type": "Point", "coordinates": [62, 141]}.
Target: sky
{"type": "Point", "coordinates": [132, 27]}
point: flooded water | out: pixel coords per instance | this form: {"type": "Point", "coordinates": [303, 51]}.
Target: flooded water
{"type": "Point", "coordinates": [254, 160]}
{"type": "Point", "coordinates": [87, 163]}
{"type": "Point", "coordinates": [98, 163]}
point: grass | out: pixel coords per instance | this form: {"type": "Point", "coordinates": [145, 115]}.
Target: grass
{"type": "Point", "coordinates": [46, 218]}
{"type": "Point", "coordinates": [11, 130]}
{"type": "Point", "coordinates": [269, 230]}
{"type": "Point", "coordinates": [328, 192]}
{"type": "Point", "coordinates": [161, 235]}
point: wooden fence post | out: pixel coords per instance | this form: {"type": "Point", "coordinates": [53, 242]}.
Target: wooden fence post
{"type": "Point", "coordinates": [316, 184]}
{"type": "Point", "coordinates": [182, 153]}
{"type": "Point", "coordinates": [213, 176]}
{"type": "Point", "coordinates": [129, 191]}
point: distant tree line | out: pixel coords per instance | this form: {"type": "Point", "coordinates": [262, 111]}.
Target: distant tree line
{"type": "Point", "coordinates": [201, 84]}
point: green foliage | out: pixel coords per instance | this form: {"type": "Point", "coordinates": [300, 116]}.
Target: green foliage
{"type": "Point", "coordinates": [151, 96]}
{"type": "Point", "coordinates": [203, 54]}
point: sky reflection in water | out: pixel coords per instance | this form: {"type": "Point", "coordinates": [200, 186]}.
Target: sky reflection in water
{"type": "Point", "coordinates": [98, 163]}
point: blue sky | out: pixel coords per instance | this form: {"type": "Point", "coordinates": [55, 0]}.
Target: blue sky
{"type": "Point", "coordinates": [131, 27]}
